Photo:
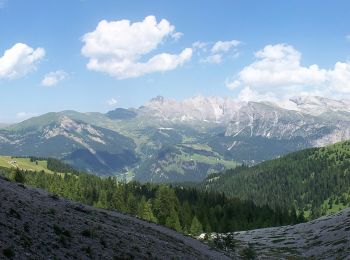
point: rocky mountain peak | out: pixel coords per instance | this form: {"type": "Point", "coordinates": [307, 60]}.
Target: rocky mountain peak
{"type": "Point", "coordinates": [197, 108]}
{"type": "Point", "coordinates": [316, 105]}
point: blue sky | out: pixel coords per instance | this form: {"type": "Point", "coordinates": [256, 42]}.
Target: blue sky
{"type": "Point", "coordinates": [266, 50]}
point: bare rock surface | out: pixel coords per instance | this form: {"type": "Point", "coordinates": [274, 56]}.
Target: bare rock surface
{"type": "Point", "coordinates": [37, 225]}
{"type": "Point", "coordinates": [324, 238]}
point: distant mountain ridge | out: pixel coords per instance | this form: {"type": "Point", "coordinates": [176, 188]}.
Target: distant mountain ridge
{"type": "Point", "coordinates": [169, 140]}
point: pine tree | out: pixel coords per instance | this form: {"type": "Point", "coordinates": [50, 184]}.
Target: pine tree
{"type": "Point", "coordinates": [185, 216]}
{"type": "Point", "coordinates": [147, 213]}
{"type": "Point", "coordinates": [173, 222]}
{"type": "Point", "coordinates": [18, 176]}
{"type": "Point", "coordinates": [164, 203]}
{"type": "Point", "coordinates": [141, 207]}
{"type": "Point", "coordinates": [117, 201]}
{"type": "Point", "coordinates": [102, 200]}
{"type": "Point", "coordinates": [196, 227]}
{"type": "Point", "coordinates": [132, 204]}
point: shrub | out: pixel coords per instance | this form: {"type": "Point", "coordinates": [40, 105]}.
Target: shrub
{"type": "Point", "coordinates": [52, 211]}
{"type": "Point", "coordinates": [248, 253]}
{"type": "Point", "coordinates": [57, 229]}
{"type": "Point", "coordinates": [8, 252]}
{"type": "Point", "coordinates": [18, 176]}
{"type": "Point", "coordinates": [225, 242]}
{"type": "Point", "coordinates": [88, 251]}
{"type": "Point", "coordinates": [14, 213]}
{"type": "Point", "coordinates": [86, 233]}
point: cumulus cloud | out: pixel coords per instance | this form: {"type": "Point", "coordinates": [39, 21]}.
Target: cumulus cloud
{"type": "Point", "coordinates": [224, 46]}
{"type": "Point", "coordinates": [117, 47]}
{"type": "Point", "coordinates": [19, 60]}
{"type": "Point", "coordinates": [177, 36]}
{"type": "Point", "coordinates": [278, 74]}
{"type": "Point", "coordinates": [112, 102]}
{"type": "Point", "coordinates": [53, 78]}
{"type": "Point", "coordinates": [215, 58]}
{"type": "Point", "coordinates": [217, 50]}
{"type": "Point", "coordinates": [198, 45]}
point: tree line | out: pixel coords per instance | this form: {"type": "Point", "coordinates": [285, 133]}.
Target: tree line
{"type": "Point", "coordinates": [186, 210]}
{"type": "Point", "coordinates": [312, 180]}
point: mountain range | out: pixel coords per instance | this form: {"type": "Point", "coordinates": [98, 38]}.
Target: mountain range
{"type": "Point", "coordinates": [167, 140]}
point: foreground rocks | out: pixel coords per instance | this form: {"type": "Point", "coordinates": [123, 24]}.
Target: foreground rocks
{"type": "Point", "coordinates": [324, 238]}
{"type": "Point", "coordinates": [37, 225]}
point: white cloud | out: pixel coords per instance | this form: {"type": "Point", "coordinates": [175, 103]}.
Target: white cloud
{"type": "Point", "coordinates": [200, 45]}
{"type": "Point", "coordinates": [224, 46]}
{"type": "Point", "coordinates": [215, 58]}
{"type": "Point", "coordinates": [177, 36]}
{"type": "Point", "coordinates": [25, 115]}
{"type": "Point", "coordinates": [19, 60]}
{"type": "Point", "coordinates": [53, 78]}
{"type": "Point", "coordinates": [117, 47]}
{"type": "Point", "coordinates": [347, 37]}
{"type": "Point", "coordinates": [217, 50]}
{"type": "Point", "coordinates": [278, 74]}
{"type": "Point", "coordinates": [112, 102]}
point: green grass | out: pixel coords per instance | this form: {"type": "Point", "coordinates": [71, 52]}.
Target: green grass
{"type": "Point", "coordinates": [208, 160]}
{"type": "Point", "coordinates": [335, 207]}
{"type": "Point", "coordinates": [23, 164]}
{"type": "Point", "coordinates": [203, 147]}
{"type": "Point", "coordinates": [177, 162]}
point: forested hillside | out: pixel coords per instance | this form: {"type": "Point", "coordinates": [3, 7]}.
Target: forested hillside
{"type": "Point", "coordinates": [315, 181]}
{"type": "Point", "coordinates": [183, 209]}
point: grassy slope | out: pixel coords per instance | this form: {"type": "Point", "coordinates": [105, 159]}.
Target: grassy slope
{"type": "Point", "coordinates": [23, 164]}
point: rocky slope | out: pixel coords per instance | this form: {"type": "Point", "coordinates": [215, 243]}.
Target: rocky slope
{"type": "Point", "coordinates": [320, 105]}
{"type": "Point", "coordinates": [195, 109]}
{"type": "Point", "coordinates": [88, 147]}
{"type": "Point", "coordinates": [324, 238]}
{"type": "Point", "coordinates": [37, 225]}
{"type": "Point", "coordinates": [270, 121]}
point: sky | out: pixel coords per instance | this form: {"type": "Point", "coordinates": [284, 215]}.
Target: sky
{"type": "Point", "coordinates": [90, 55]}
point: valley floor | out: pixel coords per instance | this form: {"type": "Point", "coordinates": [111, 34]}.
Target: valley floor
{"type": "Point", "coordinates": [37, 225]}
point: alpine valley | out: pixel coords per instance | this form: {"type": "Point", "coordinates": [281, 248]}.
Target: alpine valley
{"type": "Point", "coordinates": [175, 141]}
